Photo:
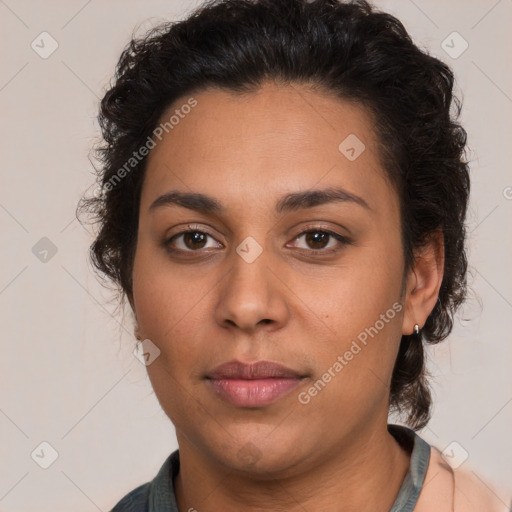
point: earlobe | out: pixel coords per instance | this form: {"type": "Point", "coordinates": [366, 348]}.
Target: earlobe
{"type": "Point", "coordinates": [423, 283]}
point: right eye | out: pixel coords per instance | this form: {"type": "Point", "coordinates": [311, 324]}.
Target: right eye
{"type": "Point", "coordinates": [188, 241]}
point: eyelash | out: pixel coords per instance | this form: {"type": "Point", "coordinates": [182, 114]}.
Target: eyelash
{"type": "Point", "coordinates": [309, 229]}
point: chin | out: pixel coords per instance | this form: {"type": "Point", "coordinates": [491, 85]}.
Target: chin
{"type": "Point", "coordinates": [260, 456]}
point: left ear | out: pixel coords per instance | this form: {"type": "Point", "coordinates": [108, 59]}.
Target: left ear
{"type": "Point", "coordinates": [423, 282]}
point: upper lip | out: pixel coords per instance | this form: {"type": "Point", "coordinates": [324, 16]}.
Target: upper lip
{"type": "Point", "coordinates": [250, 371]}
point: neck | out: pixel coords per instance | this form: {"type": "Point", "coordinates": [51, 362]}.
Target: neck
{"type": "Point", "coordinates": [364, 475]}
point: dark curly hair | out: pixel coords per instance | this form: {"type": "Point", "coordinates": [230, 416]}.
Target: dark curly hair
{"type": "Point", "coordinates": [350, 49]}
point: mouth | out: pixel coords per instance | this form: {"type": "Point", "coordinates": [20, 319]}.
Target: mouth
{"type": "Point", "coordinates": [253, 385]}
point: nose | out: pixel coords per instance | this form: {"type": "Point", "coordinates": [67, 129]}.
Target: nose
{"type": "Point", "coordinates": [252, 295]}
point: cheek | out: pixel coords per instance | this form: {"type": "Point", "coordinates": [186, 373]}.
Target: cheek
{"type": "Point", "coordinates": [165, 298]}
{"type": "Point", "coordinates": [355, 368]}
{"type": "Point", "coordinates": [168, 313]}
{"type": "Point", "coordinates": [362, 309]}
{"type": "Point", "coordinates": [350, 296]}
{"type": "Point", "coordinates": [172, 307]}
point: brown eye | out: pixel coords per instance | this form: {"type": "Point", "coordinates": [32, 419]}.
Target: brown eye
{"type": "Point", "coordinates": [189, 241]}
{"type": "Point", "coordinates": [317, 239]}
{"type": "Point", "coordinates": [194, 239]}
{"type": "Point", "coordinates": [321, 241]}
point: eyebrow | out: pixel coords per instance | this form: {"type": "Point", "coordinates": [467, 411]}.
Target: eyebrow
{"type": "Point", "coordinates": [290, 202]}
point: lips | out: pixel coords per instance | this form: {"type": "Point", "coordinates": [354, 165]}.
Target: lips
{"type": "Point", "coordinates": [251, 371]}
{"type": "Point", "coordinates": [253, 385]}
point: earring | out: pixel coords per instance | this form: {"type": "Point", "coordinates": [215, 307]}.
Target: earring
{"type": "Point", "coordinates": [417, 329]}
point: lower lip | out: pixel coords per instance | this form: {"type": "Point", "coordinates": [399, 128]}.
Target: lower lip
{"type": "Point", "coordinates": [253, 393]}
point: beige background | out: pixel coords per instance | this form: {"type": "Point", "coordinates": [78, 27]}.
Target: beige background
{"type": "Point", "coordinates": [68, 375]}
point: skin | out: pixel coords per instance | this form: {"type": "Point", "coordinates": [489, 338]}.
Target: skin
{"type": "Point", "coordinates": [208, 306]}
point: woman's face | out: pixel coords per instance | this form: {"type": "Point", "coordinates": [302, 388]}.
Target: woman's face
{"type": "Point", "coordinates": [275, 273]}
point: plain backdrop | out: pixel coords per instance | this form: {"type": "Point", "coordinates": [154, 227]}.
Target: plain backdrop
{"type": "Point", "coordinates": [68, 374]}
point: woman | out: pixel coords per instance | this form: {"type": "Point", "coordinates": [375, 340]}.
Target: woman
{"type": "Point", "coordinates": [283, 198]}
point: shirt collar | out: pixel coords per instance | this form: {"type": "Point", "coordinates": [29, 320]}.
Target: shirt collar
{"type": "Point", "coordinates": [413, 482]}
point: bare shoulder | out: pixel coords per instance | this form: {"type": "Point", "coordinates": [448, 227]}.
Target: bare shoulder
{"type": "Point", "coordinates": [472, 493]}
{"type": "Point", "coordinates": [458, 490]}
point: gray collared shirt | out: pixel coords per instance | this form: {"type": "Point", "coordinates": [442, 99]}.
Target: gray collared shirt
{"type": "Point", "coordinates": [158, 494]}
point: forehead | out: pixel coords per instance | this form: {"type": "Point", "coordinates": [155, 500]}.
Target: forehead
{"type": "Point", "coordinates": [277, 139]}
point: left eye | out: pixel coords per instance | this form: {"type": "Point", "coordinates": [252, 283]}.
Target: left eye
{"type": "Point", "coordinates": [318, 240]}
